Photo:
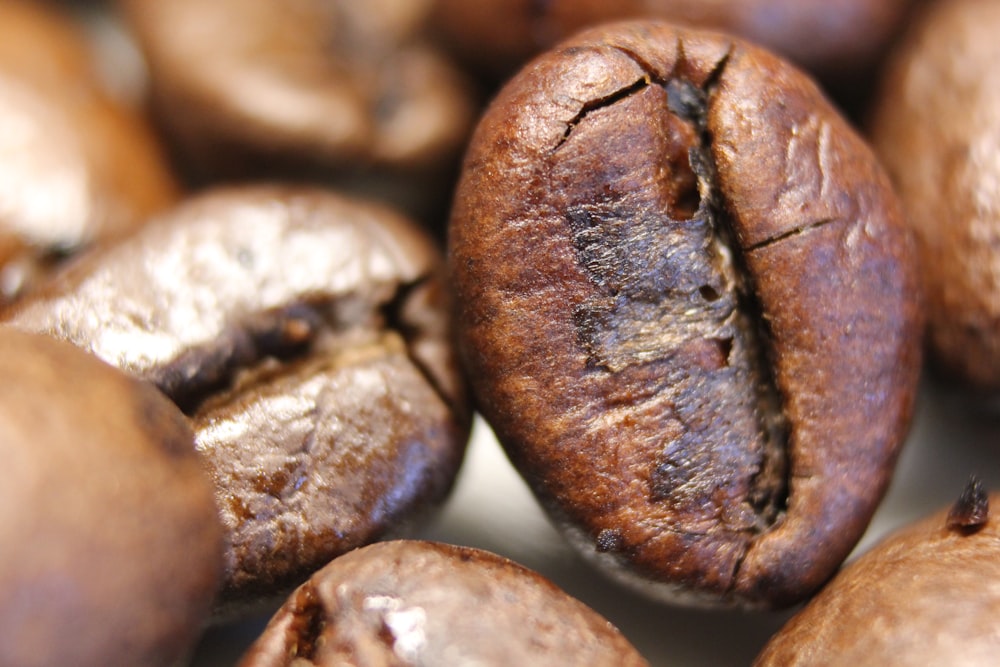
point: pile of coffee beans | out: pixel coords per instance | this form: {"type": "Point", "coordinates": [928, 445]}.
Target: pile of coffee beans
{"type": "Point", "coordinates": [447, 333]}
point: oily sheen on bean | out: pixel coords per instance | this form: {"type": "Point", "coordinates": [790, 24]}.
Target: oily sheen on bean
{"type": "Point", "coordinates": [307, 337]}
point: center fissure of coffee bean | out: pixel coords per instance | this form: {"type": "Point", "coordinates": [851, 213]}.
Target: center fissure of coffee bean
{"type": "Point", "coordinates": [307, 625]}
{"type": "Point", "coordinates": [672, 289]}
{"type": "Point", "coordinates": [394, 313]}
{"type": "Point", "coordinates": [768, 431]}
{"type": "Point", "coordinates": [280, 334]}
{"type": "Point", "coordinates": [340, 331]}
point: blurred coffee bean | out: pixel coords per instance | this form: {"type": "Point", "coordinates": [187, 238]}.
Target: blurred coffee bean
{"type": "Point", "coordinates": [110, 543]}
{"type": "Point", "coordinates": [936, 127]}
{"type": "Point", "coordinates": [836, 39]}
{"type": "Point", "coordinates": [76, 165]}
{"type": "Point", "coordinates": [334, 89]}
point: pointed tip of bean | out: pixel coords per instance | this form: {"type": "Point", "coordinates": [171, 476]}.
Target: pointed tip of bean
{"type": "Point", "coordinates": [972, 509]}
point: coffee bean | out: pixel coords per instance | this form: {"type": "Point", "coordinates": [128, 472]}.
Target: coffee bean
{"type": "Point", "coordinates": [111, 544]}
{"type": "Point", "coordinates": [936, 127]}
{"type": "Point", "coordinates": [425, 603]}
{"type": "Point", "coordinates": [76, 165]}
{"type": "Point", "coordinates": [925, 595]}
{"type": "Point", "coordinates": [307, 81]}
{"type": "Point", "coordinates": [307, 337]}
{"type": "Point", "coordinates": [689, 308]}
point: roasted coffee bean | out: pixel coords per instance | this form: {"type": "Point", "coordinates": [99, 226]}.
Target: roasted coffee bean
{"type": "Point", "coordinates": [829, 37]}
{"type": "Point", "coordinates": [338, 83]}
{"type": "Point", "coordinates": [425, 603]}
{"type": "Point", "coordinates": [936, 128]}
{"type": "Point", "coordinates": [689, 309]}
{"type": "Point", "coordinates": [925, 595]}
{"type": "Point", "coordinates": [110, 543]}
{"type": "Point", "coordinates": [307, 337]}
{"type": "Point", "coordinates": [76, 165]}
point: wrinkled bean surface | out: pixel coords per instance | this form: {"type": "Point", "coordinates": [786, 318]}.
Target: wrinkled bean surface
{"type": "Point", "coordinates": [690, 310]}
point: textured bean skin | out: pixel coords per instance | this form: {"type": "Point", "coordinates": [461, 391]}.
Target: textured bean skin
{"type": "Point", "coordinates": [690, 309]}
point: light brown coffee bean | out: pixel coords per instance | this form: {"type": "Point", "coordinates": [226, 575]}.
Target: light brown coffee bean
{"type": "Point", "coordinates": [936, 127]}
{"type": "Point", "coordinates": [925, 595]}
{"type": "Point", "coordinates": [110, 542]}
{"type": "Point", "coordinates": [305, 81]}
{"type": "Point", "coordinates": [76, 165]}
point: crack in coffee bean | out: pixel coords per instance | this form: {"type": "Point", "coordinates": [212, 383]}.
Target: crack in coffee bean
{"type": "Point", "coordinates": [600, 103]}
{"type": "Point", "coordinates": [793, 232]}
{"type": "Point", "coordinates": [688, 305]}
{"type": "Point", "coordinates": [285, 336]}
{"type": "Point", "coordinates": [397, 314]}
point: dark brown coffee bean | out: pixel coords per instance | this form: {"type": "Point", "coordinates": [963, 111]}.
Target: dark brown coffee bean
{"type": "Point", "coordinates": [936, 128]}
{"type": "Point", "coordinates": [110, 543]}
{"type": "Point", "coordinates": [336, 83]}
{"type": "Point", "coordinates": [307, 337]}
{"type": "Point", "coordinates": [689, 308]}
{"type": "Point", "coordinates": [76, 165]}
{"type": "Point", "coordinates": [424, 603]}
{"type": "Point", "coordinates": [823, 36]}
{"type": "Point", "coordinates": [925, 595]}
